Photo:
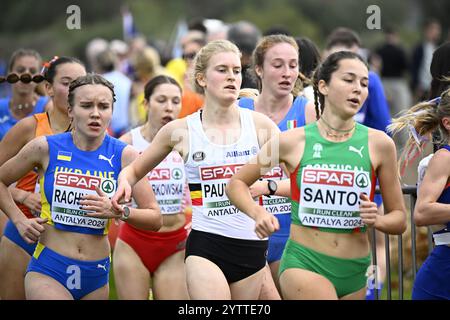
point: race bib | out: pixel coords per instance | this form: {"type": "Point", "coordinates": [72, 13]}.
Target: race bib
{"type": "Point", "coordinates": [329, 198]}
{"type": "Point", "coordinates": [214, 180]}
{"type": "Point", "coordinates": [168, 187]}
{"type": "Point", "coordinates": [68, 190]}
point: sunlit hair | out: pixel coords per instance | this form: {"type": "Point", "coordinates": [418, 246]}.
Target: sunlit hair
{"type": "Point", "coordinates": [325, 71]}
{"type": "Point", "coordinates": [248, 93]}
{"type": "Point", "coordinates": [420, 121]}
{"type": "Point", "coordinates": [202, 58]}
{"type": "Point", "coordinates": [90, 78]}
{"type": "Point", "coordinates": [259, 54]}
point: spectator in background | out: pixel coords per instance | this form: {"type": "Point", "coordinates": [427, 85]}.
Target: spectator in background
{"type": "Point", "coordinates": [107, 63]}
{"type": "Point", "coordinates": [191, 101]}
{"type": "Point", "coordinates": [421, 60]}
{"type": "Point", "coordinates": [146, 64]}
{"type": "Point", "coordinates": [277, 29]}
{"type": "Point", "coordinates": [245, 36]}
{"type": "Point", "coordinates": [375, 111]}
{"type": "Point", "coordinates": [215, 29]}
{"type": "Point", "coordinates": [121, 50]}
{"type": "Point", "coordinates": [394, 65]}
{"type": "Point", "coordinates": [440, 70]}
{"type": "Point", "coordinates": [177, 67]}
{"type": "Point", "coordinates": [93, 49]}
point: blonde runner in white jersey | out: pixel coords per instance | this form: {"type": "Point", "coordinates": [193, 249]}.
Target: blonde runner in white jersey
{"type": "Point", "coordinates": [167, 179]}
{"type": "Point", "coordinates": [209, 167]}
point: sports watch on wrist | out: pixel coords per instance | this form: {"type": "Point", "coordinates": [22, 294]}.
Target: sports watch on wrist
{"type": "Point", "coordinates": [126, 213]}
{"type": "Point", "coordinates": [272, 186]}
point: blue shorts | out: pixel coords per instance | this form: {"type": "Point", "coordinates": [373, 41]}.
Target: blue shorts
{"type": "Point", "coordinates": [433, 279]}
{"type": "Point", "coordinates": [13, 234]}
{"type": "Point", "coordinates": [78, 277]}
{"type": "Point", "coordinates": [277, 241]}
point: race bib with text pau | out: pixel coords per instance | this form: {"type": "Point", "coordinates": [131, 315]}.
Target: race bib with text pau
{"type": "Point", "coordinates": [68, 190]}
{"type": "Point", "coordinates": [214, 180]}
{"type": "Point", "coordinates": [329, 198]}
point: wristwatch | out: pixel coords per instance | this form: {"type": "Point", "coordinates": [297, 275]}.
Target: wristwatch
{"type": "Point", "coordinates": [126, 213]}
{"type": "Point", "coordinates": [272, 186]}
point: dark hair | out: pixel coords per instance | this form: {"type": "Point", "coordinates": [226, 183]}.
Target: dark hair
{"type": "Point", "coordinates": [325, 71]}
{"type": "Point", "coordinates": [343, 36]}
{"type": "Point", "coordinates": [23, 53]}
{"type": "Point", "coordinates": [440, 70]}
{"type": "Point", "coordinates": [197, 24]}
{"type": "Point", "coordinates": [244, 35]}
{"type": "Point", "coordinates": [308, 56]}
{"type": "Point", "coordinates": [277, 29]}
{"type": "Point", "coordinates": [440, 73]}
{"type": "Point", "coordinates": [156, 81]}
{"type": "Point", "coordinates": [90, 78]}
{"type": "Point", "coordinates": [49, 71]}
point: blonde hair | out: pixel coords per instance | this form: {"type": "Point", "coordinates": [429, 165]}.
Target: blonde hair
{"type": "Point", "coordinates": [248, 93]}
{"type": "Point", "coordinates": [421, 120]}
{"type": "Point", "coordinates": [202, 58]}
{"type": "Point", "coordinates": [259, 54]}
{"type": "Point", "coordinates": [147, 63]}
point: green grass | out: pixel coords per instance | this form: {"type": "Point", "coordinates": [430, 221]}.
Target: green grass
{"type": "Point", "coordinates": [112, 285]}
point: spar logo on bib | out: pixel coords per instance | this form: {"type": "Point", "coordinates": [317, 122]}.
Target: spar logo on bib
{"type": "Point", "coordinates": [275, 173]}
{"type": "Point", "coordinates": [328, 177]}
{"type": "Point", "coordinates": [107, 186]}
{"type": "Point", "coordinates": [219, 172]}
{"type": "Point", "coordinates": [177, 174]}
{"type": "Point", "coordinates": [78, 181]}
{"type": "Point", "coordinates": [362, 180]}
{"type": "Point", "coordinates": [159, 174]}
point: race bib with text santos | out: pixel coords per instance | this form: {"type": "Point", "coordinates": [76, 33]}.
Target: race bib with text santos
{"type": "Point", "coordinates": [329, 198]}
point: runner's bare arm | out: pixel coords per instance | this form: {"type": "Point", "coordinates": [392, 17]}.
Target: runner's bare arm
{"type": "Point", "coordinates": [428, 211]}
{"type": "Point", "coordinates": [34, 154]}
{"type": "Point", "coordinates": [171, 136]}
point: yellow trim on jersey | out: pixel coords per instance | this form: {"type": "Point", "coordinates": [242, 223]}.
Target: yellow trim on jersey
{"type": "Point", "coordinates": [38, 250]}
{"type": "Point", "coordinates": [45, 209]}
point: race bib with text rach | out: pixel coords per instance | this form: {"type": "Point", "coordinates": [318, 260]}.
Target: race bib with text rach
{"type": "Point", "coordinates": [68, 190]}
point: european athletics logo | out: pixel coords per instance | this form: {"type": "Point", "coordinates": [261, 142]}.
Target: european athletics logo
{"type": "Point", "coordinates": [64, 155]}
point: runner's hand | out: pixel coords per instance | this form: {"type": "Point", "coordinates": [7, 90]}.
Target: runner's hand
{"type": "Point", "coordinates": [368, 210]}
{"type": "Point", "coordinates": [122, 195]}
{"type": "Point", "coordinates": [265, 223]}
{"type": "Point", "coordinates": [31, 229]}
{"type": "Point", "coordinates": [100, 206]}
